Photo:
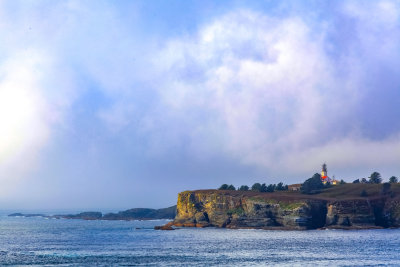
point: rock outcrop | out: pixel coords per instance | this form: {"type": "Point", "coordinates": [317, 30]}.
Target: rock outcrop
{"type": "Point", "coordinates": [391, 213]}
{"type": "Point", "coordinates": [358, 213]}
{"type": "Point", "coordinates": [234, 209]}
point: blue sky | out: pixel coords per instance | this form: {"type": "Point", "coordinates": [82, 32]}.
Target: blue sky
{"type": "Point", "coordinates": [111, 105]}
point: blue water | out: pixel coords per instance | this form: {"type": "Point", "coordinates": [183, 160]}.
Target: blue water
{"type": "Point", "coordinates": [51, 242]}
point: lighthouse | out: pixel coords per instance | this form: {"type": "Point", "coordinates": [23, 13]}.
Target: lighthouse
{"type": "Point", "coordinates": [324, 174]}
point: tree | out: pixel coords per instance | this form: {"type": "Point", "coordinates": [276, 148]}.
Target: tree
{"type": "Point", "coordinates": [280, 187]}
{"type": "Point", "coordinates": [256, 187]}
{"type": "Point", "coordinates": [357, 181]}
{"type": "Point", "coordinates": [231, 187]}
{"type": "Point", "coordinates": [286, 188]}
{"type": "Point", "coordinates": [270, 188]}
{"type": "Point", "coordinates": [342, 181]}
{"type": "Point", "coordinates": [223, 187]}
{"type": "Point", "coordinates": [312, 185]}
{"type": "Point", "coordinates": [263, 188]}
{"type": "Point", "coordinates": [375, 178]}
{"type": "Point", "coordinates": [244, 188]}
{"type": "Point", "coordinates": [393, 180]}
{"type": "Point", "coordinates": [364, 181]}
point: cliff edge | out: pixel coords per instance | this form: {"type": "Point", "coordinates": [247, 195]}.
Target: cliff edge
{"type": "Point", "coordinates": [337, 207]}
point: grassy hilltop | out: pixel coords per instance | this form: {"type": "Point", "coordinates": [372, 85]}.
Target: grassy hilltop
{"type": "Point", "coordinates": [340, 192]}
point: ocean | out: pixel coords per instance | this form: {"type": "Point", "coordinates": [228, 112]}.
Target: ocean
{"type": "Point", "coordinates": [51, 242]}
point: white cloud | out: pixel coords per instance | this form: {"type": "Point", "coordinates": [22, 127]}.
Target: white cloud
{"type": "Point", "coordinates": [270, 93]}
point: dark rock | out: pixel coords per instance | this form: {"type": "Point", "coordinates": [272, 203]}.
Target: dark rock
{"type": "Point", "coordinates": [168, 226]}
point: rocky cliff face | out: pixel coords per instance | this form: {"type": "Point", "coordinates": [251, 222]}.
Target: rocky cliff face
{"type": "Point", "coordinates": [356, 213]}
{"type": "Point", "coordinates": [201, 209]}
{"type": "Point", "coordinates": [233, 209]}
{"type": "Point", "coordinates": [391, 213]}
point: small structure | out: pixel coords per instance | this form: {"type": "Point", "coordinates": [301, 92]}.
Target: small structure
{"type": "Point", "coordinates": [294, 187]}
{"type": "Point", "coordinates": [334, 181]}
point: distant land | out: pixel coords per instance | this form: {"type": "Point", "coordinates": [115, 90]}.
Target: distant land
{"type": "Point", "coordinates": [344, 206]}
{"type": "Point", "coordinates": [131, 214]}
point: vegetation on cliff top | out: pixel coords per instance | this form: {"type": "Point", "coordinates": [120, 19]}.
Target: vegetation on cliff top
{"type": "Point", "coordinates": [393, 180]}
{"type": "Point", "coordinates": [338, 192]}
{"type": "Point", "coordinates": [257, 187]}
{"type": "Point", "coordinates": [312, 185]}
{"type": "Point", "coordinates": [360, 188]}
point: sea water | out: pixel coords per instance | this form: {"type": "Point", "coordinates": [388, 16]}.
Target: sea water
{"type": "Point", "coordinates": [62, 242]}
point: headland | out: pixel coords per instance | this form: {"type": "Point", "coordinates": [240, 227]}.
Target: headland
{"type": "Point", "coordinates": [345, 206]}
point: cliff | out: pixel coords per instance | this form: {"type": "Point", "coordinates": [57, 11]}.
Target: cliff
{"type": "Point", "coordinates": [338, 207]}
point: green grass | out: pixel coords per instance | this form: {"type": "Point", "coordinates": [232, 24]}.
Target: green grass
{"type": "Point", "coordinates": [340, 192]}
{"type": "Point", "coordinates": [286, 205]}
{"type": "Point", "coordinates": [343, 191]}
{"type": "Point", "coordinates": [290, 205]}
{"type": "Point", "coordinates": [238, 211]}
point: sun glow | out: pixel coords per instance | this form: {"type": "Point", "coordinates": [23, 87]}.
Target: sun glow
{"type": "Point", "coordinates": [22, 124]}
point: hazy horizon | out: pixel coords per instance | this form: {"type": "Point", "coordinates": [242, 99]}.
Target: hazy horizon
{"type": "Point", "coordinates": [115, 105]}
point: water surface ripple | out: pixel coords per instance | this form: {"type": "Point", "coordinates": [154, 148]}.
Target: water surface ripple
{"type": "Point", "coordinates": [51, 242]}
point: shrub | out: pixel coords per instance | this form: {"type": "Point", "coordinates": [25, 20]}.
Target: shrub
{"type": "Point", "coordinates": [231, 187]}
{"type": "Point", "coordinates": [223, 187]}
{"type": "Point", "coordinates": [256, 187]}
{"type": "Point", "coordinates": [226, 187]}
{"type": "Point", "coordinates": [243, 188]}
{"type": "Point", "coordinates": [357, 181]}
{"type": "Point", "coordinates": [312, 185]}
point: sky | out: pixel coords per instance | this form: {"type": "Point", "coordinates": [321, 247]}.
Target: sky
{"type": "Point", "coordinates": [110, 105]}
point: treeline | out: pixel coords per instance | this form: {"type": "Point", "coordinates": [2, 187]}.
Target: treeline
{"type": "Point", "coordinates": [314, 184]}
{"type": "Point", "coordinates": [375, 178]}
{"type": "Point", "coordinates": [257, 187]}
